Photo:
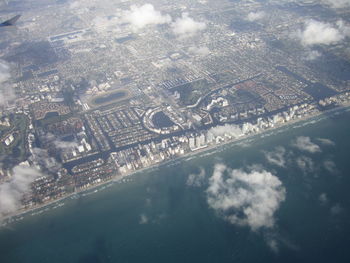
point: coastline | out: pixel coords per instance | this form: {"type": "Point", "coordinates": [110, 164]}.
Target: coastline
{"type": "Point", "coordinates": [20, 214]}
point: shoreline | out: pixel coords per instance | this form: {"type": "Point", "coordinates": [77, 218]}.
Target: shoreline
{"type": "Point", "coordinates": [19, 214]}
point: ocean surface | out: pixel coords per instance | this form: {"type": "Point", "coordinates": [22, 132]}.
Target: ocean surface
{"type": "Point", "coordinates": [297, 208]}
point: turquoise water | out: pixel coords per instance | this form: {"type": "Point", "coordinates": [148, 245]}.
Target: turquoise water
{"type": "Point", "coordinates": [157, 217]}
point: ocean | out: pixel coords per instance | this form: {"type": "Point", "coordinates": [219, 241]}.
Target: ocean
{"type": "Point", "coordinates": [282, 196]}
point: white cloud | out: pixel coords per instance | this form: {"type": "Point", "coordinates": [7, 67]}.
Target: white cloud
{"type": "Point", "coordinates": [143, 219]}
{"type": "Point", "coordinates": [313, 54]}
{"type": "Point", "coordinates": [83, 6]}
{"type": "Point", "coordinates": [12, 191]}
{"type": "Point", "coordinates": [336, 209]}
{"type": "Point", "coordinates": [64, 144]}
{"type": "Point", "coordinates": [4, 71]}
{"type": "Point", "coordinates": [323, 198]}
{"type": "Point", "coordinates": [325, 141]}
{"type": "Point", "coordinates": [319, 33]}
{"type": "Point", "coordinates": [274, 240]}
{"type": "Point", "coordinates": [148, 201]}
{"type": "Point", "coordinates": [337, 3]}
{"type": "Point", "coordinates": [273, 245]}
{"type": "Point", "coordinates": [196, 180]}
{"type": "Point", "coordinates": [245, 198]}
{"type": "Point", "coordinates": [78, 9]}
{"type": "Point", "coordinates": [227, 129]}
{"type": "Point", "coordinates": [186, 26]}
{"type": "Point", "coordinates": [343, 27]}
{"type": "Point", "coordinates": [141, 16]}
{"type": "Point", "coordinates": [101, 24]}
{"type": "Point", "coordinates": [58, 143]}
{"type": "Point", "coordinates": [44, 160]}
{"type": "Point", "coordinates": [200, 51]}
{"type": "Point", "coordinates": [6, 91]}
{"type": "Point", "coordinates": [305, 164]}
{"type": "Point", "coordinates": [276, 157]}
{"type": "Point", "coordinates": [330, 166]}
{"type": "Point", "coordinates": [304, 143]}
{"type": "Point", "coordinates": [254, 16]}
